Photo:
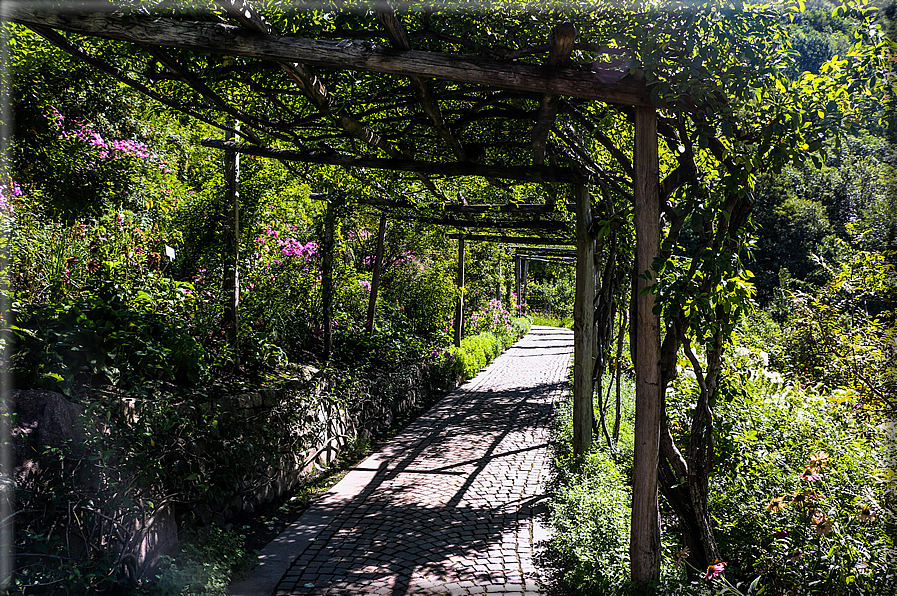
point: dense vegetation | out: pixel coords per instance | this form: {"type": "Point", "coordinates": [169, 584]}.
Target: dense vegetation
{"type": "Point", "coordinates": [119, 240]}
{"type": "Point", "coordinates": [803, 492]}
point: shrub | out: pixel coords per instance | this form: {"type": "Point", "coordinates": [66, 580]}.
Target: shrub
{"type": "Point", "coordinates": [100, 340]}
{"type": "Point", "coordinates": [590, 514]}
{"type": "Point", "coordinates": [476, 351]}
{"type": "Point", "coordinates": [204, 567]}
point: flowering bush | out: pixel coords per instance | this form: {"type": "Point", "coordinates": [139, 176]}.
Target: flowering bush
{"type": "Point", "coordinates": [797, 495]}
{"type": "Point", "coordinates": [492, 318]}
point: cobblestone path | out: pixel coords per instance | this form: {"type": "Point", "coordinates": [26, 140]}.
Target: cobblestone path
{"type": "Point", "coordinates": [449, 506]}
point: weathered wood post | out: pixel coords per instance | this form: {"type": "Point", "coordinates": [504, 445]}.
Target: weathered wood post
{"type": "Point", "coordinates": [525, 277]}
{"type": "Point", "coordinates": [375, 278]}
{"type": "Point", "coordinates": [327, 280]}
{"type": "Point", "coordinates": [232, 268]}
{"type": "Point", "coordinates": [583, 323]}
{"type": "Point", "coordinates": [644, 546]}
{"type": "Point", "coordinates": [518, 266]}
{"type": "Point", "coordinates": [459, 304]}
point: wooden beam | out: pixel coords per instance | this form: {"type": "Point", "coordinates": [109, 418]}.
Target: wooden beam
{"type": "Point", "coordinates": [552, 226]}
{"type": "Point", "coordinates": [535, 240]}
{"type": "Point", "coordinates": [449, 170]}
{"type": "Point", "coordinates": [529, 250]}
{"type": "Point", "coordinates": [583, 324]}
{"type": "Point", "coordinates": [644, 545]}
{"type": "Point", "coordinates": [505, 208]}
{"type": "Point", "coordinates": [232, 266]}
{"type": "Point", "coordinates": [557, 260]}
{"type": "Point", "coordinates": [562, 38]}
{"type": "Point", "coordinates": [375, 278]}
{"type": "Point", "coordinates": [218, 38]}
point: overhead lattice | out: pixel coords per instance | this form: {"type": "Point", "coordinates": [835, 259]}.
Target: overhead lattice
{"type": "Point", "coordinates": [482, 121]}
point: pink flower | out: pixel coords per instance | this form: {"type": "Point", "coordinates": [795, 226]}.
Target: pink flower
{"type": "Point", "coordinates": [714, 570]}
{"type": "Point", "coordinates": [809, 474]}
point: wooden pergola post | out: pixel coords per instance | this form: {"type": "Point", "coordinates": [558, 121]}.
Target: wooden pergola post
{"type": "Point", "coordinates": [232, 268]}
{"type": "Point", "coordinates": [327, 281]}
{"type": "Point", "coordinates": [583, 323]}
{"type": "Point", "coordinates": [375, 278]}
{"type": "Point", "coordinates": [644, 546]}
{"type": "Point", "coordinates": [459, 304]}
{"type": "Point", "coordinates": [525, 276]}
{"type": "Point", "coordinates": [517, 275]}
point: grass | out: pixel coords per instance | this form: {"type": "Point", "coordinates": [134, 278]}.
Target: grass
{"type": "Point", "coordinates": [547, 320]}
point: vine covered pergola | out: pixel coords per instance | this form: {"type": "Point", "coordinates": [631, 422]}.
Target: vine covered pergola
{"type": "Point", "coordinates": [579, 125]}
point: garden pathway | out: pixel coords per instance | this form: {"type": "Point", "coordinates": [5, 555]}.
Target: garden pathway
{"type": "Point", "coordinates": [449, 506]}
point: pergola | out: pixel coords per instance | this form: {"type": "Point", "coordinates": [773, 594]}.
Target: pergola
{"type": "Point", "coordinates": [473, 136]}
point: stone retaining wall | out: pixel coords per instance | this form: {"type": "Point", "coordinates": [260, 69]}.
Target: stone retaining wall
{"type": "Point", "coordinates": [331, 426]}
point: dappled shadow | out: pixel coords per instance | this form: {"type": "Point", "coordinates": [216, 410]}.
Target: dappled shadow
{"type": "Point", "coordinates": [447, 503]}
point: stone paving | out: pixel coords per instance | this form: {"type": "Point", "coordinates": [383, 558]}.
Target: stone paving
{"type": "Point", "coordinates": [449, 506]}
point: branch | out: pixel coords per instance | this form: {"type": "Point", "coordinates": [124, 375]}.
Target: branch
{"type": "Point", "coordinates": [386, 14]}
{"type": "Point", "coordinates": [314, 89]}
{"type": "Point", "coordinates": [64, 44]}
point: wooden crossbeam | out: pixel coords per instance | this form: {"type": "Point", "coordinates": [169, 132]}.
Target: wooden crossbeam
{"type": "Point", "coordinates": [224, 39]}
{"type": "Point", "coordinates": [534, 240]}
{"type": "Point", "coordinates": [548, 226]}
{"type": "Point", "coordinates": [482, 208]}
{"type": "Point", "coordinates": [447, 169]}
{"type": "Point", "coordinates": [526, 250]}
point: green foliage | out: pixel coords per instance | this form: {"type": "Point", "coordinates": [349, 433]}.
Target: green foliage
{"type": "Point", "coordinates": [99, 340]}
{"type": "Point", "coordinates": [590, 513]}
{"type": "Point", "coordinates": [424, 296]}
{"type": "Point", "coordinates": [204, 567]}
{"type": "Point", "coordinates": [776, 521]}
{"type": "Point", "coordinates": [844, 337]}
{"type": "Point", "coordinates": [550, 321]}
{"type": "Point", "coordinates": [491, 318]}
{"type": "Point", "coordinates": [476, 351]}
{"type": "Point", "coordinates": [552, 296]}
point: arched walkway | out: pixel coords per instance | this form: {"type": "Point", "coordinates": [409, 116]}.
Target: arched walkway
{"type": "Point", "coordinates": [449, 505]}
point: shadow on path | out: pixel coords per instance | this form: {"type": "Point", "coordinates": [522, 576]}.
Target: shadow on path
{"type": "Point", "coordinates": [448, 506]}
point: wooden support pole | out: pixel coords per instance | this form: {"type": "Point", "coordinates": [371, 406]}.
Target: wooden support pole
{"type": "Point", "coordinates": [375, 278]}
{"type": "Point", "coordinates": [232, 266]}
{"type": "Point", "coordinates": [517, 274]}
{"type": "Point", "coordinates": [583, 323]}
{"type": "Point", "coordinates": [459, 305]}
{"type": "Point", "coordinates": [644, 546]}
{"type": "Point", "coordinates": [327, 282]}
{"type": "Point", "coordinates": [525, 279]}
